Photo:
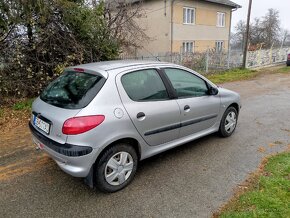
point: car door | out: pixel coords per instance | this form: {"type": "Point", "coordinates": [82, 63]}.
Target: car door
{"type": "Point", "coordinates": [199, 110]}
{"type": "Point", "coordinates": [154, 114]}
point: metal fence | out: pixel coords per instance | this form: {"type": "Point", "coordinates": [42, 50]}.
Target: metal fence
{"type": "Point", "coordinates": [212, 61]}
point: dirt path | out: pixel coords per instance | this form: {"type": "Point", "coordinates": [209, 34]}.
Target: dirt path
{"type": "Point", "coordinates": [190, 181]}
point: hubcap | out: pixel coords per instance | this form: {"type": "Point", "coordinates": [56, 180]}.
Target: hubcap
{"type": "Point", "coordinates": [231, 122]}
{"type": "Point", "coordinates": [119, 168]}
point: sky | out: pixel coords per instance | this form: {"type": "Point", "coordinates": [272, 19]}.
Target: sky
{"type": "Point", "coordinates": [259, 9]}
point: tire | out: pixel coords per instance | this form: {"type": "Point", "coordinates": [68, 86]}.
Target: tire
{"type": "Point", "coordinates": [229, 118]}
{"type": "Point", "coordinates": [116, 168]}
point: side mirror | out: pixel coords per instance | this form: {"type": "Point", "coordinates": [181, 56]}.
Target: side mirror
{"type": "Point", "coordinates": [213, 91]}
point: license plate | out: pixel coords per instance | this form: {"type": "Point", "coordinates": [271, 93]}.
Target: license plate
{"type": "Point", "coordinates": [39, 123]}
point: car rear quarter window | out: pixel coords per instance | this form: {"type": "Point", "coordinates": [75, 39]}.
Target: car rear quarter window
{"type": "Point", "coordinates": [144, 85]}
{"type": "Point", "coordinates": [73, 90]}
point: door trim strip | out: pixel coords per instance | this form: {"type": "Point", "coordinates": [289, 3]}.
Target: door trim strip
{"type": "Point", "coordinates": [198, 120]}
{"type": "Point", "coordinates": [179, 125]}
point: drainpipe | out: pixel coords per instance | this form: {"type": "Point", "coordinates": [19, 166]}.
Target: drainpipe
{"type": "Point", "coordinates": [171, 27]}
{"type": "Point", "coordinates": [165, 6]}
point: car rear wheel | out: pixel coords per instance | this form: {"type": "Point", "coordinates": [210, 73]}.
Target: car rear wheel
{"type": "Point", "coordinates": [228, 122]}
{"type": "Point", "coordinates": [116, 168]}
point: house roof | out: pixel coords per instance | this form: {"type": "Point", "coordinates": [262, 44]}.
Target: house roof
{"type": "Point", "coordinates": [220, 2]}
{"type": "Point", "coordinates": [225, 2]}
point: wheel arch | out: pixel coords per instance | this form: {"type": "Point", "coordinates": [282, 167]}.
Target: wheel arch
{"type": "Point", "coordinates": [127, 140]}
{"type": "Point", "coordinates": [236, 106]}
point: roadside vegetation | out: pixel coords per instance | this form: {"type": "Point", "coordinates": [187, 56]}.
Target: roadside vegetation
{"type": "Point", "coordinates": [14, 112]}
{"type": "Point", "coordinates": [232, 75]}
{"type": "Point", "coordinates": [266, 193]}
{"type": "Point", "coordinates": [284, 70]}
{"type": "Point", "coordinates": [238, 74]}
{"type": "Point", "coordinates": [38, 39]}
{"type": "Point", "coordinates": [23, 104]}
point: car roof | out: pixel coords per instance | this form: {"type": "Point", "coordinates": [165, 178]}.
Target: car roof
{"type": "Point", "coordinates": [104, 67]}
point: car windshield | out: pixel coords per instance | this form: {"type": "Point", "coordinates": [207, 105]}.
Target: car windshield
{"type": "Point", "coordinates": [72, 90]}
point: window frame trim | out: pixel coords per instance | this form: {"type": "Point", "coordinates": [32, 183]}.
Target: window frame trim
{"type": "Point", "coordinates": [185, 43]}
{"type": "Point", "coordinates": [217, 23]}
{"type": "Point", "coordinates": [220, 46]}
{"type": "Point", "coordinates": [194, 17]}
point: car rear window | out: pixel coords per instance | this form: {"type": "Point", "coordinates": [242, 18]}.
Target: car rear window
{"type": "Point", "coordinates": [73, 90]}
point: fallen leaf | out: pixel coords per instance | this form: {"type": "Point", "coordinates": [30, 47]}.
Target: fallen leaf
{"type": "Point", "coordinates": [261, 149]}
{"type": "Point", "coordinates": [271, 145]}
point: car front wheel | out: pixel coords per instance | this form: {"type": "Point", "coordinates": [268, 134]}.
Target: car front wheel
{"type": "Point", "coordinates": [116, 168]}
{"type": "Point", "coordinates": [228, 122]}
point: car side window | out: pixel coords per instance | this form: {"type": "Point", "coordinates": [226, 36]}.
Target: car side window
{"type": "Point", "coordinates": [144, 85]}
{"type": "Point", "coordinates": [186, 84]}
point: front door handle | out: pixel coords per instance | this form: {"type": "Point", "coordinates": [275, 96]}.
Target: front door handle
{"type": "Point", "coordinates": [140, 115]}
{"type": "Point", "coordinates": [186, 107]}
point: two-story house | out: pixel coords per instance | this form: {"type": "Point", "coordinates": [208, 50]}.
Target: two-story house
{"type": "Point", "coordinates": [185, 25]}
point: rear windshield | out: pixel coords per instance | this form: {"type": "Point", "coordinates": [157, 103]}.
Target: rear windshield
{"type": "Point", "coordinates": [73, 90]}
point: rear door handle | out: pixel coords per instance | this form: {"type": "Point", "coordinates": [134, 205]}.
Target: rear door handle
{"type": "Point", "coordinates": [140, 115]}
{"type": "Point", "coordinates": [186, 107]}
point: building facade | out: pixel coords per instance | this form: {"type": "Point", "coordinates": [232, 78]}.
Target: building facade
{"type": "Point", "coordinates": [176, 26]}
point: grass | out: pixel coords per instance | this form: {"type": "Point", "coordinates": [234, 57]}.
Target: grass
{"type": "Point", "coordinates": [233, 75]}
{"type": "Point", "coordinates": [23, 104]}
{"type": "Point", "coordinates": [15, 113]}
{"type": "Point", "coordinates": [238, 74]}
{"type": "Point", "coordinates": [284, 70]}
{"type": "Point", "coordinates": [268, 194]}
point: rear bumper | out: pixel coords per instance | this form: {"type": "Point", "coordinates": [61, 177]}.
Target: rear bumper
{"type": "Point", "coordinates": [73, 159]}
{"type": "Point", "coordinates": [64, 149]}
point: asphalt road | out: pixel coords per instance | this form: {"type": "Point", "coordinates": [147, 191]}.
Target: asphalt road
{"type": "Point", "coordinates": [193, 180]}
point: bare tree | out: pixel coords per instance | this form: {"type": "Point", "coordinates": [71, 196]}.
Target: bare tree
{"type": "Point", "coordinates": [285, 41]}
{"type": "Point", "coordinates": [237, 38]}
{"type": "Point", "coordinates": [121, 16]}
{"type": "Point", "coordinates": [270, 27]}
{"type": "Point", "coordinates": [265, 31]}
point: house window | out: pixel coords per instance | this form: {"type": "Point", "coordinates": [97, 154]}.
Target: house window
{"type": "Point", "coordinates": [189, 15]}
{"type": "Point", "coordinates": [188, 47]}
{"type": "Point", "coordinates": [219, 45]}
{"type": "Point", "coordinates": [221, 19]}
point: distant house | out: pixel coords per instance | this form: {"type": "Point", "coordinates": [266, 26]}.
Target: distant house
{"type": "Point", "coordinates": [185, 26]}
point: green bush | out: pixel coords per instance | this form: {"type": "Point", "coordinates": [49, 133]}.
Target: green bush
{"type": "Point", "coordinates": [38, 39]}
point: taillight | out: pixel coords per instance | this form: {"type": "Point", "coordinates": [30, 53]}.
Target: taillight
{"type": "Point", "coordinates": [78, 125]}
{"type": "Point", "coordinates": [288, 56]}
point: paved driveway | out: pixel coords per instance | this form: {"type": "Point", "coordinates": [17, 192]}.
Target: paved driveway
{"type": "Point", "coordinates": [193, 180]}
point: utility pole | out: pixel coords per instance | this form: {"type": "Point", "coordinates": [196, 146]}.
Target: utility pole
{"type": "Point", "coordinates": [247, 34]}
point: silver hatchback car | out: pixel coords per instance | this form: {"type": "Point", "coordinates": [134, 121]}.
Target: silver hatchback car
{"type": "Point", "coordinates": [99, 120]}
